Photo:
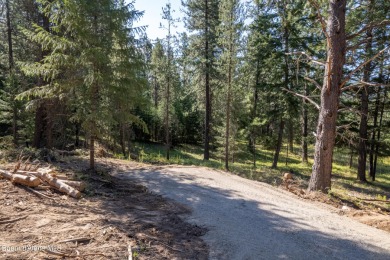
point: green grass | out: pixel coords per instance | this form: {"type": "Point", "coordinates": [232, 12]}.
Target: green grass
{"type": "Point", "coordinates": [344, 183]}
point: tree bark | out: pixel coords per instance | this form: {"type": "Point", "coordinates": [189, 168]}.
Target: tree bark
{"type": "Point", "coordinates": [304, 128]}
{"type": "Point", "coordinates": [291, 135]}
{"type": "Point", "coordinates": [9, 36]}
{"type": "Point", "coordinates": [228, 101]}
{"type": "Point", "coordinates": [278, 145]}
{"type": "Point", "coordinates": [11, 73]}
{"type": "Point", "coordinates": [42, 126]}
{"type": "Point", "coordinates": [252, 137]}
{"type": "Point", "coordinates": [286, 84]}
{"type": "Point", "coordinates": [92, 153]}
{"type": "Point", "coordinates": [374, 132]}
{"type": "Point", "coordinates": [379, 136]}
{"type": "Point", "coordinates": [167, 140]}
{"type": "Point", "coordinates": [330, 95]}
{"type": "Point", "coordinates": [38, 124]}
{"type": "Point", "coordinates": [122, 139]}
{"type": "Point", "coordinates": [156, 88]}
{"type": "Point", "coordinates": [363, 133]}
{"type": "Point", "coordinates": [206, 155]}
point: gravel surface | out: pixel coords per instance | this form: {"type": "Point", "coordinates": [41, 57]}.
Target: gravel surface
{"type": "Point", "coordinates": [252, 220]}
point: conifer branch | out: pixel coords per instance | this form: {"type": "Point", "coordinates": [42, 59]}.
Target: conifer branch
{"type": "Point", "coordinates": [362, 65]}
{"type": "Point", "coordinates": [303, 96]}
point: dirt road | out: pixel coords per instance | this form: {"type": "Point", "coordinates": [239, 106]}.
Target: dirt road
{"type": "Point", "coordinates": [252, 220]}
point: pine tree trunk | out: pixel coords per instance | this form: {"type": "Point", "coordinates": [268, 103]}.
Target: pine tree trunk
{"type": "Point", "coordinates": [379, 135]}
{"type": "Point", "coordinates": [38, 123]}
{"type": "Point", "coordinates": [351, 157]}
{"type": "Point", "coordinates": [304, 128]}
{"type": "Point", "coordinates": [167, 144]}
{"type": "Point", "coordinates": [363, 133]}
{"type": "Point", "coordinates": [122, 139]}
{"type": "Point", "coordinates": [92, 153]}
{"type": "Point", "coordinates": [228, 101]}
{"type": "Point", "coordinates": [252, 137]}
{"type": "Point", "coordinates": [77, 134]}
{"type": "Point", "coordinates": [156, 87]}
{"type": "Point", "coordinates": [286, 83]}
{"type": "Point", "coordinates": [49, 124]}
{"type": "Point", "coordinates": [278, 145]}
{"type": "Point", "coordinates": [41, 128]}
{"type": "Point", "coordinates": [206, 155]}
{"type": "Point", "coordinates": [11, 73]}
{"type": "Point", "coordinates": [330, 94]}
{"type": "Point", "coordinates": [374, 132]}
{"type": "Point", "coordinates": [9, 36]}
{"type": "Point", "coordinates": [291, 135]}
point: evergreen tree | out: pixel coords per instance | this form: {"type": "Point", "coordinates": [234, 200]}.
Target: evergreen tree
{"type": "Point", "coordinates": [202, 20]}
{"type": "Point", "coordinates": [229, 30]}
{"type": "Point", "coordinates": [89, 50]}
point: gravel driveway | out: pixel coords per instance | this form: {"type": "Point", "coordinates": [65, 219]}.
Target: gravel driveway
{"type": "Point", "coordinates": [252, 220]}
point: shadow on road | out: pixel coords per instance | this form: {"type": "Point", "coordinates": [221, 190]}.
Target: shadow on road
{"type": "Point", "coordinates": [242, 228]}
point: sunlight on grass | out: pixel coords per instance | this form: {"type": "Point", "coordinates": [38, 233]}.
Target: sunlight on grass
{"type": "Point", "coordinates": [344, 181]}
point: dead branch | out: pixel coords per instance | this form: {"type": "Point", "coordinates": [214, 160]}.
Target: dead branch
{"type": "Point", "coordinates": [79, 239]}
{"type": "Point", "coordinates": [307, 56]}
{"type": "Point", "coordinates": [57, 253]}
{"type": "Point", "coordinates": [362, 65]}
{"type": "Point", "coordinates": [26, 164]}
{"type": "Point", "coordinates": [318, 86]}
{"type": "Point", "coordinates": [12, 220]}
{"type": "Point", "coordinates": [39, 193]}
{"type": "Point", "coordinates": [130, 252]}
{"type": "Point", "coordinates": [304, 97]}
{"type": "Point", "coordinates": [368, 27]}
{"type": "Point", "coordinates": [163, 243]}
{"type": "Point", "coordinates": [320, 17]}
{"type": "Point", "coordinates": [354, 47]}
{"type": "Point", "coordinates": [344, 109]}
{"type": "Point", "coordinates": [363, 83]}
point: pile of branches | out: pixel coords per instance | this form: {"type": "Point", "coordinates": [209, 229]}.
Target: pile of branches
{"type": "Point", "coordinates": [34, 178]}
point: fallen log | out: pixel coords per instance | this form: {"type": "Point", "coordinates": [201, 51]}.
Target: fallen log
{"type": "Point", "coordinates": [29, 181]}
{"type": "Point", "coordinates": [7, 175]}
{"type": "Point", "coordinates": [56, 183]}
{"type": "Point", "coordinates": [78, 185]}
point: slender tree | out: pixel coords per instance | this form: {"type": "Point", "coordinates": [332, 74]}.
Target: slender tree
{"type": "Point", "coordinates": [202, 18]}
{"type": "Point", "coordinates": [229, 30]}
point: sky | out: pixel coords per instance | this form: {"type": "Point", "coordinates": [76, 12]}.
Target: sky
{"type": "Point", "coordinates": [152, 17]}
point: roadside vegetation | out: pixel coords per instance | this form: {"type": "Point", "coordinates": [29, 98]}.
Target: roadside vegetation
{"type": "Point", "coordinates": [346, 189]}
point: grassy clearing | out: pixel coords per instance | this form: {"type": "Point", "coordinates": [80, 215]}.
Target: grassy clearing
{"type": "Point", "coordinates": [344, 185]}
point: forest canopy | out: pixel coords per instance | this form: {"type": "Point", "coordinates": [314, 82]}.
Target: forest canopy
{"type": "Point", "coordinates": [312, 75]}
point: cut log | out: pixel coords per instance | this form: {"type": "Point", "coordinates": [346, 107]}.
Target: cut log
{"type": "Point", "coordinates": [5, 174]}
{"type": "Point", "coordinates": [29, 181]}
{"type": "Point", "coordinates": [56, 183]}
{"type": "Point", "coordinates": [78, 185]}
